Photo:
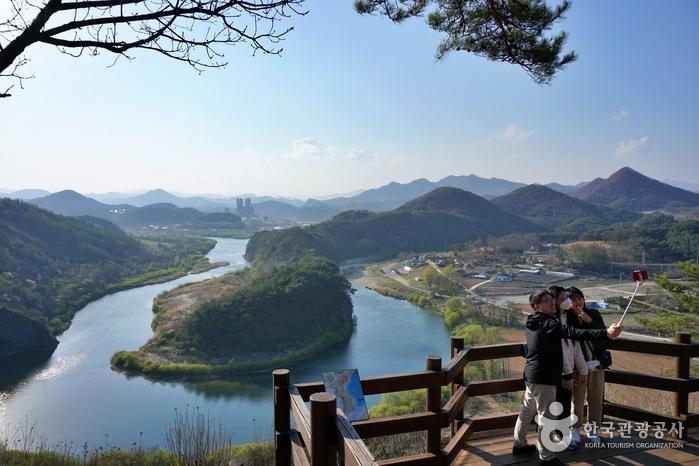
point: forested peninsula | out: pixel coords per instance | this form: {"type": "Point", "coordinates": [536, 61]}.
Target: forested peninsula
{"type": "Point", "coordinates": [51, 266]}
{"type": "Point", "coordinates": [250, 320]}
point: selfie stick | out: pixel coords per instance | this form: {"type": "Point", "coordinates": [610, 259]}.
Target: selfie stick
{"type": "Point", "coordinates": [638, 285]}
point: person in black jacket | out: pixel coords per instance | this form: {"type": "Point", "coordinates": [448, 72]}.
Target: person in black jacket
{"type": "Point", "coordinates": [543, 366]}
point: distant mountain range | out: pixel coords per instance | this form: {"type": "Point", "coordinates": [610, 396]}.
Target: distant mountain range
{"type": "Point", "coordinates": [28, 194]}
{"type": "Point", "coordinates": [74, 204]}
{"type": "Point", "coordinates": [394, 194]}
{"type": "Point", "coordinates": [436, 220]}
{"type": "Point", "coordinates": [628, 189]}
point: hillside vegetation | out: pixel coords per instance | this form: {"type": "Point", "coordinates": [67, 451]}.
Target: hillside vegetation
{"type": "Point", "coordinates": [51, 265]}
{"type": "Point", "coordinates": [560, 212]}
{"type": "Point", "coordinates": [628, 189]}
{"type": "Point", "coordinates": [284, 314]}
{"type": "Point", "coordinates": [441, 218]}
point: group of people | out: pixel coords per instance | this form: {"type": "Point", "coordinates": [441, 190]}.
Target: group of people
{"type": "Point", "coordinates": [565, 362]}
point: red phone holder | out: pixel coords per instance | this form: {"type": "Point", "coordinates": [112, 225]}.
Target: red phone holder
{"type": "Point", "coordinates": [640, 275]}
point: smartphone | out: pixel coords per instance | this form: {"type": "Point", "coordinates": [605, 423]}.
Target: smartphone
{"type": "Point", "coordinates": [640, 275]}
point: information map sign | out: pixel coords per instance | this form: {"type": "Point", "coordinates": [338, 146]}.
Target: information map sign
{"type": "Point", "coordinates": [347, 387]}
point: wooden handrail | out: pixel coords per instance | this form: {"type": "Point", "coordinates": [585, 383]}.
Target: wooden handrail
{"type": "Point", "coordinates": [353, 452]}
{"type": "Point", "coordinates": [493, 387]}
{"type": "Point", "coordinates": [456, 403]}
{"type": "Point", "coordinates": [385, 383]}
{"type": "Point", "coordinates": [457, 364]}
{"type": "Point", "coordinates": [301, 415]}
{"type": "Point", "coordinates": [348, 436]}
{"type": "Point", "coordinates": [298, 450]}
{"type": "Point", "coordinates": [458, 441]}
{"type": "Point", "coordinates": [404, 423]}
{"type": "Point", "coordinates": [638, 379]}
{"type": "Point", "coordinates": [503, 350]}
{"type": "Point", "coordinates": [637, 414]}
{"type": "Point", "coordinates": [661, 348]}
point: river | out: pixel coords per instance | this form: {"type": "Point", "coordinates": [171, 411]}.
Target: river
{"type": "Point", "coordinates": [74, 396]}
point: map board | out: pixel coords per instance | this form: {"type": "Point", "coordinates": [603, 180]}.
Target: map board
{"type": "Point", "coordinates": [347, 387]}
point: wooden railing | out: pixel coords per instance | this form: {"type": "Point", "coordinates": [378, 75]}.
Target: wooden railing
{"type": "Point", "coordinates": [324, 433]}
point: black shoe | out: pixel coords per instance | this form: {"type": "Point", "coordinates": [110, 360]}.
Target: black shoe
{"type": "Point", "coordinates": [552, 462]}
{"type": "Point", "coordinates": [525, 450]}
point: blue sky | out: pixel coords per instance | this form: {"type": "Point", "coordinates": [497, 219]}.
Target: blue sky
{"type": "Point", "coordinates": [355, 102]}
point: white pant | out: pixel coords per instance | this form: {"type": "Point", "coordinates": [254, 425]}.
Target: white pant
{"type": "Point", "coordinates": [593, 390]}
{"type": "Point", "coordinates": [537, 399]}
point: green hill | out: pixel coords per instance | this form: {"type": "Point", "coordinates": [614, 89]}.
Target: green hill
{"type": "Point", "coordinates": [441, 218]}
{"type": "Point", "coordinates": [628, 189]}
{"type": "Point", "coordinates": [560, 212]}
{"type": "Point", "coordinates": [51, 265]}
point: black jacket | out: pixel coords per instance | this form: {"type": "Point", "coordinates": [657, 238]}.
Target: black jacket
{"type": "Point", "coordinates": [544, 354]}
{"type": "Point", "coordinates": [597, 322]}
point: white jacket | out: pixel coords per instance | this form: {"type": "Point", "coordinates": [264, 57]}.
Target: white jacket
{"type": "Point", "coordinates": [573, 357]}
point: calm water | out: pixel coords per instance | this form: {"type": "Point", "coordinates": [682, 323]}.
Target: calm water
{"type": "Point", "coordinates": [74, 396]}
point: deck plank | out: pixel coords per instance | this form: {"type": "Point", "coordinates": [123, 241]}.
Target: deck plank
{"type": "Point", "coordinates": [497, 450]}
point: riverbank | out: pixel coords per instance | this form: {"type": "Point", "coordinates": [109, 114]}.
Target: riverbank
{"type": "Point", "coordinates": [188, 257]}
{"type": "Point", "coordinates": [251, 454]}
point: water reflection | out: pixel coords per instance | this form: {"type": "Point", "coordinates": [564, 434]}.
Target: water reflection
{"type": "Point", "coordinates": [76, 396]}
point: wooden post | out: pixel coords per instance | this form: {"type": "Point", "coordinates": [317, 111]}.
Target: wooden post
{"type": "Point", "coordinates": [457, 344]}
{"type": "Point", "coordinates": [434, 435]}
{"type": "Point", "coordinates": [681, 403]}
{"type": "Point", "coordinates": [323, 416]}
{"type": "Point", "coordinates": [282, 443]}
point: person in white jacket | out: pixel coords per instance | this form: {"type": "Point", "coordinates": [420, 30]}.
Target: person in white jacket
{"type": "Point", "coordinates": [574, 368]}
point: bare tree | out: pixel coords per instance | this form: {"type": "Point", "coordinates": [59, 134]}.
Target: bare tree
{"type": "Point", "coordinates": [191, 31]}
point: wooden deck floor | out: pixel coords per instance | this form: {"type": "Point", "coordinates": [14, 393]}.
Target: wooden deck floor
{"type": "Point", "coordinates": [496, 449]}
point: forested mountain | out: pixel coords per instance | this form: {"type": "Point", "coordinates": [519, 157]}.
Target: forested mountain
{"type": "Point", "coordinates": [437, 220]}
{"type": "Point", "coordinates": [628, 189]}
{"type": "Point", "coordinates": [163, 214]}
{"type": "Point", "coordinates": [51, 265]}
{"type": "Point", "coordinates": [557, 211]}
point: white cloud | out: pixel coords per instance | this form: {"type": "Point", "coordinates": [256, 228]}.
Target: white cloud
{"type": "Point", "coordinates": [306, 148]}
{"type": "Point", "coordinates": [362, 155]}
{"type": "Point", "coordinates": [516, 134]}
{"type": "Point", "coordinates": [621, 115]}
{"type": "Point", "coordinates": [631, 146]}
